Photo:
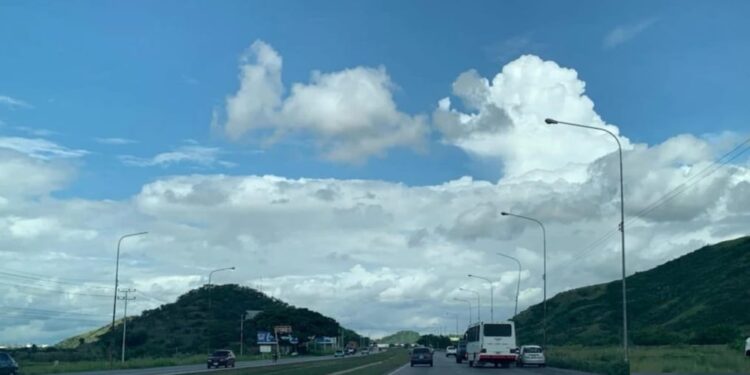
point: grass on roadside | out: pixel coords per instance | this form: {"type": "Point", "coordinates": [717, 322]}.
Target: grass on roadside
{"type": "Point", "coordinates": [386, 362]}
{"type": "Point", "coordinates": [706, 359]}
{"type": "Point", "coordinates": [39, 368]}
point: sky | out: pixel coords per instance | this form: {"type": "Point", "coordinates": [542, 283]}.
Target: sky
{"type": "Point", "coordinates": [354, 157]}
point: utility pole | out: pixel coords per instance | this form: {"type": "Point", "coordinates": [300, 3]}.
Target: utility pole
{"type": "Point", "coordinates": [125, 298]}
{"type": "Point", "coordinates": [242, 334]}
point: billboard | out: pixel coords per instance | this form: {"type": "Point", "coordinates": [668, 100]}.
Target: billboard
{"type": "Point", "coordinates": [265, 348]}
{"type": "Point", "coordinates": [266, 338]}
{"type": "Point", "coordinates": [325, 340]}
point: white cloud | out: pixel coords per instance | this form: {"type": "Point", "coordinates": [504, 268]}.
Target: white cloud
{"type": "Point", "coordinates": [40, 148]}
{"type": "Point", "coordinates": [13, 103]}
{"type": "Point", "coordinates": [624, 33]}
{"type": "Point", "coordinates": [22, 175]}
{"type": "Point", "coordinates": [350, 114]}
{"type": "Point", "coordinates": [190, 154]}
{"type": "Point", "coordinates": [397, 252]}
{"type": "Point", "coordinates": [506, 122]}
{"type": "Point", "coordinates": [115, 141]}
{"type": "Point", "coordinates": [36, 132]}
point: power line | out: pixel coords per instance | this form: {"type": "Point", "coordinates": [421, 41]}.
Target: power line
{"type": "Point", "coordinates": [689, 182]}
{"type": "Point", "coordinates": [48, 280]}
{"type": "Point", "coordinates": [66, 280]}
{"type": "Point", "coordinates": [57, 291]}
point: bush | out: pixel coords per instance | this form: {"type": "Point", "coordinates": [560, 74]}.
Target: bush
{"type": "Point", "coordinates": [656, 337]}
{"type": "Point", "coordinates": [716, 335]}
{"type": "Point", "coordinates": [604, 368]}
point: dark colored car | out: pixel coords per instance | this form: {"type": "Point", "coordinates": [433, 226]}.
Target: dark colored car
{"type": "Point", "coordinates": [221, 358]}
{"type": "Point", "coordinates": [8, 365]}
{"type": "Point", "coordinates": [461, 351]}
{"type": "Point", "coordinates": [421, 356]}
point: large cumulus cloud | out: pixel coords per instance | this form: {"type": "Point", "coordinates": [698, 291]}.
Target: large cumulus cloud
{"type": "Point", "coordinates": [350, 114]}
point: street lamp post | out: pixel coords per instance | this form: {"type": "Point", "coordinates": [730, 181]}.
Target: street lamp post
{"type": "Point", "coordinates": [544, 273]}
{"type": "Point", "coordinates": [622, 230]}
{"type": "Point", "coordinates": [210, 311]}
{"type": "Point", "coordinates": [479, 302]}
{"type": "Point", "coordinates": [469, 302]}
{"type": "Point", "coordinates": [117, 281]}
{"type": "Point", "coordinates": [518, 284]}
{"type": "Point", "coordinates": [492, 294]}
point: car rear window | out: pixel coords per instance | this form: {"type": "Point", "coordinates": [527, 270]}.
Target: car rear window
{"type": "Point", "coordinates": [532, 350]}
{"type": "Point", "coordinates": [451, 347]}
{"type": "Point", "coordinates": [498, 330]}
{"type": "Point", "coordinates": [4, 358]}
{"type": "Point", "coordinates": [221, 353]}
{"type": "Point", "coordinates": [421, 351]}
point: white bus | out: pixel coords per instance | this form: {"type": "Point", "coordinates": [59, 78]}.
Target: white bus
{"type": "Point", "coordinates": [491, 343]}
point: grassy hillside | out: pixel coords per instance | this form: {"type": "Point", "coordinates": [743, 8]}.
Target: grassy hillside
{"type": "Point", "coordinates": [85, 338]}
{"type": "Point", "coordinates": [188, 326]}
{"type": "Point", "coordinates": [401, 337]}
{"type": "Point", "coordinates": [700, 298]}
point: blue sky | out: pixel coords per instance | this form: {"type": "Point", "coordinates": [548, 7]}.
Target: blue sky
{"type": "Point", "coordinates": [236, 128]}
{"type": "Point", "coordinates": [154, 71]}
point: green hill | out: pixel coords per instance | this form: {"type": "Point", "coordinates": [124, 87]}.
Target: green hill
{"type": "Point", "coordinates": [700, 298]}
{"type": "Point", "coordinates": [84, 338]}
{"type": "Point", "coordinates": [187, 326]}
{"type": "Point", "coordinates": [401, 337]}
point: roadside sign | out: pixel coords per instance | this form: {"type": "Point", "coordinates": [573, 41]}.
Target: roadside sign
{"type": "Point", "coordinates": [283, 329]}
{"type": "Point", "coordinates": [265, 348]}
{"type": "Point", "coordinates": [265, 337]}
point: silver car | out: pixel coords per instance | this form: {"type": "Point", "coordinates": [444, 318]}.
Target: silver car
{"type": "Point", "coordinates": [531, 355]}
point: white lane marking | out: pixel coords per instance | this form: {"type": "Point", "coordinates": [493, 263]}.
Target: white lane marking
{"type": "Point", "coordinates": [398, 369]}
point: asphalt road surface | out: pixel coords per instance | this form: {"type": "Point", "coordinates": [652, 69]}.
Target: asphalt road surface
{"type": "Point", "coordinates": [448, 366]}
{"type": "Point", "coordinates": [195, 369]}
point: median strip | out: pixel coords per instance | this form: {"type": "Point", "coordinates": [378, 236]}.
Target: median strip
{"type": "Point", "coordinates": [356, 368]}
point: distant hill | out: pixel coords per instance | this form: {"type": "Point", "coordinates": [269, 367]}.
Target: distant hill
{"type": "Point", "coordinates": [700, 298]}
{"type": "Point", "coordinates": [401, 337]}
{"type": "Point", "coordinates": [85, 338]}
{"type": "Point", "coordinates": [188, 326]}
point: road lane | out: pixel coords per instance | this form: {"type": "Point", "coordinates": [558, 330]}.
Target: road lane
{"type": "Point", "coordinates": [201, 368]}
{"type": "Point", "coordinates": [448, 366]}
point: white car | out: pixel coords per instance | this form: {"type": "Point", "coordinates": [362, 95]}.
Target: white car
{"type": "Point", "coordinates": [747, 347]}
{"type": "Point", "coordinates": [450, 351]}
{"type": "Point", "coordinates": [531, 355]}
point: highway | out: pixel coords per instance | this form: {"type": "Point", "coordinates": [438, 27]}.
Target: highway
{"type": "Point", "coordinates": [448, 366]}
{"type": "Point", "coordinates": [201, 368]}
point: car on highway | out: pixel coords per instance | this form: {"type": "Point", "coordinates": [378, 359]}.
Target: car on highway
{"type": "Point", "coordinates": [8, 366]}
{"type": "Point", "coordinates": [221, 358]}
{"type": "Point", "coordinates": [450, 351]}
{"type": "Point", "coordinates": [531, 355]}
{"type": "Point", "coordinates": [461, 351]}
{"type": "Point", "coordinates": [351, 351]}
{"type": "Point", "coordinates": [421, 356]}
{"type": "Point", "coordinates": [364, 352]}
{"type": "Point", "coordinates": [747, 347]}
{"type": "Point", "coordinates": [339, 353]}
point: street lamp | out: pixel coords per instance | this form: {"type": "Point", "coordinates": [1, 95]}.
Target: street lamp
{"type": "Point", "coordinates": [117, 281]}
{"type": "Point", "coordinates": [479, 302]}
{"type": "Point", "coordinates": [467, 301]}
{"type": "Point", "coordinates": [622, 230]}
{"type": "Point", "coordinates": [492, 295]}
{"type": "Point", "coordinates": [210, 288]}
{"type": "Point", "coordinates": [518, 285]}
{"type": "Point", "coordinates": [544, 273]}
